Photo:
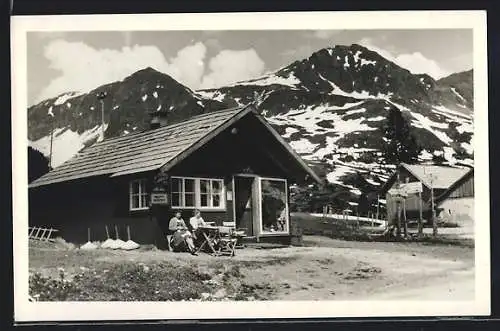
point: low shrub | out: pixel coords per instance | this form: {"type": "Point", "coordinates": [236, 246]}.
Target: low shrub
{"type": "Point", "coordinates": [124, 282]}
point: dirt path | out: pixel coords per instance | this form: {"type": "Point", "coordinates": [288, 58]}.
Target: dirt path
{"type": "Point", "coordinates": [327, 269]}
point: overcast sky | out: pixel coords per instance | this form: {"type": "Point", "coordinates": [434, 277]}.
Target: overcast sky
{"type": "Point", "coordinates": [80, 61]}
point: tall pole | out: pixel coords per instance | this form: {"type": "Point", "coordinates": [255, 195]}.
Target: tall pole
{"type": "Point", "coordinates": [433, 212]}
{"type": "Point", "coordinates": [398, 202]}
{"type": "Point", "coordinates": [102, 119]}
{"type": "Point", "coordinates": [404, 219]}
{"type": "Point", "coordinates": [51, 142]}
{"type": "Point", "coordinates": [100, 97]}
{"type": "Point", "coordinates": [420, 229]}
{"type": "Point", "coordinates": [434, 221]}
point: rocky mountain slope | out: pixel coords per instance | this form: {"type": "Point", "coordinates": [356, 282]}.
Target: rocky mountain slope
{"type": "Point", "coordinates": [331, 108]}
{"type": "Point", "coordinates": [76, 118]}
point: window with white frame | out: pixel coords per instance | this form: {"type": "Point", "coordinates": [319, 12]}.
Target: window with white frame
{"type": "Point", "coordinates": [274, 205]}
{"type": "Point", "coordinates": [211, 193]}
{"type": "Point", "coordinates": [138, 195]}
{"type": "Point", "coordinates": [203, 193]}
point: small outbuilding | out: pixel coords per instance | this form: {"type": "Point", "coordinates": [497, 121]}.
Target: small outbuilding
{"type": "Point", "coordinates": [439, 178]}
{"type": "Point", "coordinates": [230, 164]}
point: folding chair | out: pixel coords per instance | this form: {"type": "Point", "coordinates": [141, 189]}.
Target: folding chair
{"type": "Point", "coordinates": [227, 243]}
{"type": "Point", "coordinates": [235, 233]}
{"type": "Point", "coordinates": [170, 237]}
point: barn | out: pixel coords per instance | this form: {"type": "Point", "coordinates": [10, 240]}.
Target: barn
{"type": "Point", "coordinates": [230, 164]}
{"type": "Point", "coordinates": [439, 178]}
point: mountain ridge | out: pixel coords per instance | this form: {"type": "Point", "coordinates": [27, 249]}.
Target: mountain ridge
{"type": "Point", "coordinates": [331, 107]}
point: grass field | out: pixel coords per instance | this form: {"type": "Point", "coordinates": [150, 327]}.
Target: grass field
{"type": "Point", "coordinates": [324, 269]}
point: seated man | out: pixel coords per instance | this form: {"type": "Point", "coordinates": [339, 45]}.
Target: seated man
{"type": "Point", "coordinates": [181, 234]}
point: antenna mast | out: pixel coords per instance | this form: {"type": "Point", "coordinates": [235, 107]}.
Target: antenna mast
{"type": "Point", "coordinates": [101, 96]}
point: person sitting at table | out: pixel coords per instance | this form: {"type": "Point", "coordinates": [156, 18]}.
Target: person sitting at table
{"type": "Point", "coordinates": [181, 234]}
{"type": "Point", "coordinates": [196, 221]}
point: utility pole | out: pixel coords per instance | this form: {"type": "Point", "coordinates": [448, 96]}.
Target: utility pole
{"type": "Point", "coordinates": [101, 96]}
{"type": "Point", "coordinates": [433, 212]}
{"type": "Point", "coordinates": [420, 223]}
{"type": "Point", "coordinates": [51, 114]}
{"type": "Point", "coordinates": [405, 229]}
{"type": "Point", "coordinates": [398, 202]}
{"type": "Point", "coordinates": [51, 140]}
{"type": "Point", "coordinates": [434, 221]}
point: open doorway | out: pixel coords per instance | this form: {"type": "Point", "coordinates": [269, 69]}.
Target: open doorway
{"type": "Point", "coordinates": [244, 203]}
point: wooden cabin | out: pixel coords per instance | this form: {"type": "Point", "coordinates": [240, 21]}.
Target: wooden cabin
{"type": "Point", "coordinates": [230, 164]}
{"type": "Point", "coordinates": [440, 178]}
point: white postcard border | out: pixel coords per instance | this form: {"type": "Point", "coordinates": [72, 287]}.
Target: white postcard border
{"type": "Point", "coordinates": [68, 311]}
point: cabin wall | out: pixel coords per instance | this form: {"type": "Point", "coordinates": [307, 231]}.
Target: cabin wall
{"type": "Point", "coordinates": [72, 208]}
{"type": "Point", "coordinates": [458, 207]}
{"type": "Point", "coordinates": [458, 210]}
{"type": "Point", "coordinates": [227, 155]}
{"type": "Point", "coordinates": [464, 190]}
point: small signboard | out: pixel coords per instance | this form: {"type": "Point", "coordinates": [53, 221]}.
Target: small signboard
{"type": "Point", "coordinates": [397, 192]}
{"type": "Point", "coordinates": [229, 195]}
{"type": "Point", "coordinates": [159, 197]}
{"type": "Point", "coordinates": [413, 187]}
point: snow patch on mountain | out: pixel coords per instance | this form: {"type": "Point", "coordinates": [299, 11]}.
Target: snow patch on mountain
{"type": "Point", "coordinates": [303, 146]}
{"type": "Point", "coordinates": [289, 132]}
{"type": "Point", "coordinates": [273, 79]}
{"type": "Point", "coordinates": [214, 95]}
{"type": "Point", "coordinates": [65, 143]}
{"type": "Point", "coordinates": [425, 123]}
{"type": "Point", "coordinates": [65, 97]}
{"type": "Point", "coordinates": [376, 119]}
{"type": "Point", "coordinates": [458, 94]}
{"type": "Point", "coordinates": [355, 94]}
{"type": "Point", "coordinates": [310, 117]}
{"type": "Point", "coordinates": [440, 109]}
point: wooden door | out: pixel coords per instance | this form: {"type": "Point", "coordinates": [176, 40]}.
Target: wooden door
{"type": "Point", "coordinates": [243, 203]}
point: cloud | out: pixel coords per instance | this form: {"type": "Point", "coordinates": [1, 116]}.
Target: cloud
{"type": "Point", "coordinates": [415, 62]}
{"type": "Point", "coordinates": [188, 66]}
{"type": "Point", "coordinates": [325, 34]}
{"type": "Point", "coordinates": [83, 68]}
{"type": "Point", "coordinates": [230, 66]}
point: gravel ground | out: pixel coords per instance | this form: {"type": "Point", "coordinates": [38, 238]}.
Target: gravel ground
{"type": "Point", "coordinates": [326, 269]}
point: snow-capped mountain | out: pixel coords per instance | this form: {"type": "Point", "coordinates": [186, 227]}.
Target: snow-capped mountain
{"type": "Point", "coordinates": [331, 108]}
{"type": "Point", "coordinates": [76, 118]}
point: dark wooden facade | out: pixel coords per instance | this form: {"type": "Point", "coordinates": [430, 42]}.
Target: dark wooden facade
{"type": "Point", "coordinates": [247, 149]}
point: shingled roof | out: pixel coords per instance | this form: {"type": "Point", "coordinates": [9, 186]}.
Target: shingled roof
{"type": "Point", "coordinates": [149, 150]}
{"type": "Point", "coordinates": [442, 176]}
